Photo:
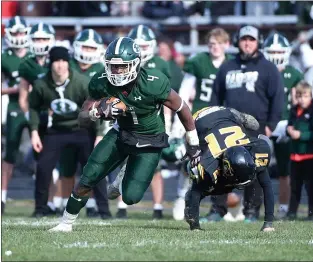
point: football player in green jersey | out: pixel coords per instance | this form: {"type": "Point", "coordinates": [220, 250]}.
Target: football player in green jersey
{"type": "Point", "coordinates": [16, 37]}
{"type": "Point", "coordinates": [146, 40]}
{"type": "Point", "coordinates": [88, 50]}
{"type": "Point", "coordinates": [196, 87]}
{"type": "Point", "coordinates": [277, 50]}
{"type": "Point", "coordinates": [139, 132]}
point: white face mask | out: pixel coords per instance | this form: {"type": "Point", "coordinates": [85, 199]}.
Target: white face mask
{"type": "Point", "coordinates": [121, 79]}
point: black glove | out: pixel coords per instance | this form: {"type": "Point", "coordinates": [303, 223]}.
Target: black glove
{"type": "Point", "coordinates": [108, 111]}
{"type": "Point", "coordinates": [194, 154]}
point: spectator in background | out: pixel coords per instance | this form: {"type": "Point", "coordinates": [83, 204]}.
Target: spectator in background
{"type": "Point", "coordinates": [300, 129]}
{"type": "Point", "coordinates": [307, 54]}
{"type": "Point", "coordinates": [253, 85]}
{"type": "Point", "coordinates": [120, 8]}
{"type": "Point", "coordinates": [168, 53]}
{"type": "Point", "coordinates": [163, 9]}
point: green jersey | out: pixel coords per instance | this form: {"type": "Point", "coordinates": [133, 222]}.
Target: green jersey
{"type": "Point", "coordinates": [30, 70]}
{"type": "Point", "coordinates": [158, 63]}
{"type": "Point", "coordinates": [65, 101]}
{"type": "Point", "coordinates": [201, 66]}
{"type": "Point", "coordinates": [143, 100]}
{"type": "Point", "coordinates": [291, 77]}
{"type": "Point", "coordinates": [90, 72]}
{"type": "Point", "coordinates": [10, 64]}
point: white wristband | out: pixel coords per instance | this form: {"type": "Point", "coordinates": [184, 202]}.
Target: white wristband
{"type": "Point", "coordinates": [181, 106]}
{"type": "Point", "coordinates": [192, 137]}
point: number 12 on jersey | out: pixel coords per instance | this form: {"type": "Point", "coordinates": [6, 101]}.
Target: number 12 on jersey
{"type": "Point", "coordinates": [234, 137]}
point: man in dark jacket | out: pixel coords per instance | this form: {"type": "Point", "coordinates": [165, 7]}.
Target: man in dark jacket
{"type": "Point", "coordinates": [253, 85]}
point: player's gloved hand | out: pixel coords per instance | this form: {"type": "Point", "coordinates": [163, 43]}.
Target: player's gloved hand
{"type": "Point", "coordinates": [108, 110]}
{"type": "Point", "coordinates": [267, 227]}
{"type": "Point", "coordinates": [194, 154]}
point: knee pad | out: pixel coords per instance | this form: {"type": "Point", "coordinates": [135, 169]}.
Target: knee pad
{"type": "Point", "coordinates": [131, 198]}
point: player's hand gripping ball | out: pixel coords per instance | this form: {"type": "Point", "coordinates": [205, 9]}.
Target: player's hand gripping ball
{"type": "Point", "coordinates": [108, 108]}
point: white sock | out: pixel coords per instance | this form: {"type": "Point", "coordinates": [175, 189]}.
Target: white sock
{"type": "Point", "coordinates": [68, 218]}
{"type": "Point", "coordinates": [57, 201]}
{"type": "Point", "coordinates": [91, 203]}
{"type": "Point", "coordinates": [158, 207]}
{"type": "Point", "coordinates": [51, 205]}
{"type": "Point", "coordinates": [121, 205]}
{"type": "Point", "coordinates": [283, 207]}
{"type": "Point", "coordinates": [64, 202]}
{"type": "Point", "coordinates": [4, 196]}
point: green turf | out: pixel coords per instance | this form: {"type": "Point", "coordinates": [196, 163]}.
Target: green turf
{"type": "Point", "coordinates": [140, 238]}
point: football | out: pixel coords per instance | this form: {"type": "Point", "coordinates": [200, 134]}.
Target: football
{"type": "Point", "coordinates": [232, 200]}
{"type": "Point", "coordinates": [119, 105]}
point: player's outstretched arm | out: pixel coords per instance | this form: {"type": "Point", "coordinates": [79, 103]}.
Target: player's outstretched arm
{"type": "Point", "coordinates": [248, 121]}
{"type": "Point", "coordinates": [266, 184]}
{"type": "Point", "coordinates": [192, 199]}
{"type": "Point", "coordinates": [175, 103]}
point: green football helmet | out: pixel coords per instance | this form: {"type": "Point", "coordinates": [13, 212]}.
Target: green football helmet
{"type": "Point", "coordinates": [122, 61]}
{"type": "Point", "coordinates": [88, 38]}
{"type": "Point", "coordinates": [145, 38]}
{"type": "Point", "coordinates": [175, 151]}
{"type": "Point", "coordinates": [16, 26]}
{"type": "Point", "coordinates": [38, 32]}
{"type": "Point", "coordinates": [277, 49]}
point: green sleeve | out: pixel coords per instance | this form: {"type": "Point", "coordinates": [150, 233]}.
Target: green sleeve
{"type": "Point", "coordinates": [306, 136]}
{"type": "Point", "coordinates": [22, 70]}
{"type": "Point", "coordinates": [96, 87]}
{"type": "Point", "coordinates": [166, 70]}
{"type": "Point", "coordinates": [190, 67]}
{"type": "Point", "coordinates": [164, 91]}
{"type": "Point", "coordinates": [35, 99]}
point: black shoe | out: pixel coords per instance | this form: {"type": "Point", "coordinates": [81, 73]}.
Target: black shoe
{"type": "Point", "coordinates": [291, 216]}
{"type": "Point", "coordinates": [2, 207]}
{"type": "Point", "coordinates": [91, 212]}
{"type": "Point", "coordinates": [121, 213]}
{"type": "Point", "coordinates": [105, 216]}
{"type": "Point", "coordinates": [59, 212]}
{"type": "Point", "coordinates": [157, 214]}
{"type": "Point", "coordinates": [37, 214]}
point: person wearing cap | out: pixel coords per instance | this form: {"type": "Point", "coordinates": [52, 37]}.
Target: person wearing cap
{"type": "Point", "coordinates": [253, 85]}
{"type": "Point", "coordinates": [63, 91]}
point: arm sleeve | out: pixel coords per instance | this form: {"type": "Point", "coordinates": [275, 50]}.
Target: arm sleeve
{"type": "Point", "coordinates": [266, 184]}
{"type": "Point", "coordinates": [276, 97]}
{"type": "Point", "coordinates": [35, 99]}
{"type": "Point", "coordinates": [219, 88]}
{"type": "Point", "coordinates": [93, 89]}
{"type": "Point", "coordinates": [164, 91]}
{"type": "Point", "coordinates": [246, 120]}
{"type": "Point", "coordinates": [22, 71]}
{"type": "Point", "coordinates": [292, 117]}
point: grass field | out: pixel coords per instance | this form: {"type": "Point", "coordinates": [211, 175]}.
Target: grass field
{"type": "Point", "coordinates": [141, 238]}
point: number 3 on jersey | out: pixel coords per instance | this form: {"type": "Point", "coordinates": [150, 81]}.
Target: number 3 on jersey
{"type": "Point", "coordinates": [234, 137]}
{"type": "Point", "coordinates": [206, 89]}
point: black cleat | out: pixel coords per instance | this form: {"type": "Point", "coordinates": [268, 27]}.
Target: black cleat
{"type": "Point", "coordinates": [91, 212]}
{"type": "Point", "coordinates": [157, 214]}
{"type": "Point", "coordinates": [291, 216]}
{"type": "Point", "coordinates": [121, 213]}
{"type": "Point", "coordinates": [105, 216]}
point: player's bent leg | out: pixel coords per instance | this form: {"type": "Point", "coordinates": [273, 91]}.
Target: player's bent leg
{"type": "Point", "coordinates": [106, 156]}
{"type": "Point", "coordinates": [139, 173]}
